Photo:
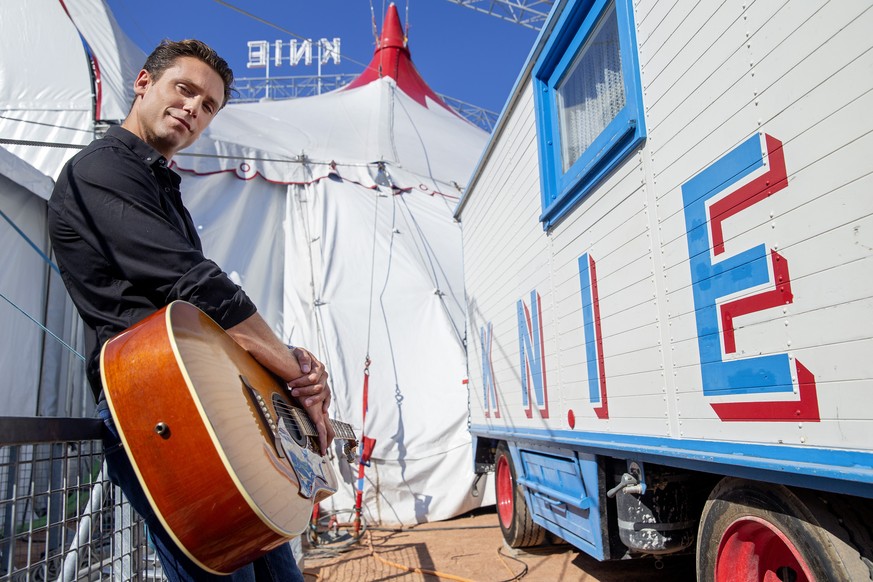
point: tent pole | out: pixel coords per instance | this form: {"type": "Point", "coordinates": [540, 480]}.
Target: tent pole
{"type": "Point", "coordinates": [363, 454]}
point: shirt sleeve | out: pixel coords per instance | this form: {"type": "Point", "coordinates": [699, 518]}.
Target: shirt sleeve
{"type": "Point", "coordinates": [122, 218]}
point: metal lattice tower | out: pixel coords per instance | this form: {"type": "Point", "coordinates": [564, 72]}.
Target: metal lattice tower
{"type": "Point", "coordinates": [529, 13]}
{"type": "Point", "coordinates": [250, 89]}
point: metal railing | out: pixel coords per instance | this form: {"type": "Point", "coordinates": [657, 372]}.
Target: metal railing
{"type": "Point", "coordinates": [528, 13]}
{"type": "Point", "coordinates": [60, 517]}
{"type": "Point", "coordinates": [252, 89]}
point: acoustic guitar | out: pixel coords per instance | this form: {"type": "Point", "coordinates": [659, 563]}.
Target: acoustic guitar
{"type": "Point", "coordinates": [229, 462]}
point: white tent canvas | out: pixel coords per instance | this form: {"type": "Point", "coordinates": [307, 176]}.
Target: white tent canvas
{"type": "Point", "coordinates": [46, 99]}
{"type": "Point", "coordinates": [335, 214]}
{"type": "Point", "coordinates": [23, 238]}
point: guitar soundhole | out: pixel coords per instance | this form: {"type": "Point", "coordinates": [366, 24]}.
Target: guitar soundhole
{"type": "Point", "coordinates": [286, 412]}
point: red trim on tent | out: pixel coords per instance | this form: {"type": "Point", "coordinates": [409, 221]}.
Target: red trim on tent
{"type": "Point", "coordinates": [242, 172]}
{"type": "Point", "coordinates": [392, 59]}
{"type": "Point", "coordinates": [98, 82]}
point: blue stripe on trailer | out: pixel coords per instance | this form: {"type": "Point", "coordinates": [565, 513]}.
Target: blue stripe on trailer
{"type": "Point", "coordinates": [837, 470]}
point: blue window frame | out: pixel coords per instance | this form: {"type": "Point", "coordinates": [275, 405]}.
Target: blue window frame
{"type": "Point", "coordinates": [589, 101]}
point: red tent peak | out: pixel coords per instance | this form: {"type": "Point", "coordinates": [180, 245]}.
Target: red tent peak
{"type": "Point", "coordinates": [393, 59]}
{"type": "Point", "coordinates": [392, 31]}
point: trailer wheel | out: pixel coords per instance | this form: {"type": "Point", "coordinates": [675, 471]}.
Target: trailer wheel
{"type": "Point", "coordinates": [758, 531]}
{"type": "Point", "coordinates": [516, 523]}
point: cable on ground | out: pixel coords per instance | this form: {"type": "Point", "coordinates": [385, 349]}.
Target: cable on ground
{"type": "Point", "coordinates": [410, 568]}
{"type": "Point", "coordinates": [520, 575]}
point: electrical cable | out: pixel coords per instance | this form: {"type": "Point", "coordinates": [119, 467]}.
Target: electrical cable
{"type": "Point", "coordinates": [411, 568]}
{"type": "Point", "coordinates": [337, 550]}
{"type": "Point", "coordinates": [520, 575]}
{"type": "Point", "coordinates": [412, 529]}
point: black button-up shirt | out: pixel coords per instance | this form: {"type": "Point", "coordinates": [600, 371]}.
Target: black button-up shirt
{"type": "Point", "coordinates": [126, 245]}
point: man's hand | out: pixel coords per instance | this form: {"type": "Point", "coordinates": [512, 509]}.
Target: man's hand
{"type": "Point", "coordinates": [313, 393]}
{"type": "Point", "coordinates": [304, 374]}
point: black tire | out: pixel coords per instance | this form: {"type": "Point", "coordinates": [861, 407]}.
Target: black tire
{"type": "Point", "coordinates": [795, 534]}
{"type": "Point", "coordinates": [516, 523]}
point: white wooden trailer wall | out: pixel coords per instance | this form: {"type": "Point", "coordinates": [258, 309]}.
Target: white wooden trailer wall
{"type": "Point", "coordinates": [714, 75]}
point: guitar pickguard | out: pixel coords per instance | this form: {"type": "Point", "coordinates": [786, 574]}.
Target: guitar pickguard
{"type": "Point", "coordinates": [306, 464]}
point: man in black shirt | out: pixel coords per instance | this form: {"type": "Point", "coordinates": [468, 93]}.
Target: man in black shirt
{"type": "Point", "coordinates": [126, 247]}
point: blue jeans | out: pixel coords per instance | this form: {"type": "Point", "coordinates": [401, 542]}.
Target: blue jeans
{"type": "Point", "coordinates": [277, 566]}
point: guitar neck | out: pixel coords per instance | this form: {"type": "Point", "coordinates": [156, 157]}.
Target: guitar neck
{"type": "Point", "coordinates": [342, 430]}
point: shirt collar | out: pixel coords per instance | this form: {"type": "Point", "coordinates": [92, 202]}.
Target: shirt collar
{"type": "Point", "coordinates": [144, 151]}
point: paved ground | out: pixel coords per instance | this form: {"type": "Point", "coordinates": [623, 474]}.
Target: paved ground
{"type": "Point", "coordinates": [470, 548]}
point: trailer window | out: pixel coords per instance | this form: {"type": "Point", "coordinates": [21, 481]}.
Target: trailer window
{"type": "Point", "coordinates": [588, 101]}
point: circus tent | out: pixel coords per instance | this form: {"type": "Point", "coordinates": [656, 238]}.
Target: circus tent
{"type": "Point", "coordinates": [334, 212]}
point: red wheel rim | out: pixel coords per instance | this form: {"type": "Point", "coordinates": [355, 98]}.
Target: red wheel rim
{"type": "Point", "coordinates": [753, 549]}
{"type": "Point", "coordinates": [505, 509]}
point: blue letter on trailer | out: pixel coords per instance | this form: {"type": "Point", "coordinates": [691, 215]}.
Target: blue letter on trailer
{"type": "Point", "coordinates": [531, 351]}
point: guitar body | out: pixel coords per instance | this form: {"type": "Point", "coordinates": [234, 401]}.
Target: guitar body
{"type": "Point", "coordinates": [212, 437]}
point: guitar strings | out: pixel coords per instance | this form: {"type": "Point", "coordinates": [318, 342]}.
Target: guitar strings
{"type": "Point", "coordinates": [295, 411]}
{"type": "Point", "coordinates": [295, 415]}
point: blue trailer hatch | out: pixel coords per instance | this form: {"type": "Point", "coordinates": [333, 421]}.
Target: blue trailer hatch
{"type": "Point", "coordinates": [563, 491]}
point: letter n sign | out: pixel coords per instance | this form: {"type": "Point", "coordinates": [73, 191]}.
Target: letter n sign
{"type": "Point", "coordinates": [531, 348]}
{"type": "Point", "coordinates": [747, 281]}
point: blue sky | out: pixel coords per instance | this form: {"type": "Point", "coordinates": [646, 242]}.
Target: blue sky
{"type": "Point", "coordinates": [460, 52]}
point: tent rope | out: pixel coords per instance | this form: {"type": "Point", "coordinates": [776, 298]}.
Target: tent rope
{"type": "Point", "coordinates": [90, 132]}
{"type": "Point", "coordinates": [54, 267]}
{"type": "Point", "coordinates": [373, 19]}
{"type": "Point", "coordinates": [359, 492]}
{"type": "Point", "coordinates": [372, 270]}
{"type": "Point", "coordinates": [48, 144]}
{"type": "Point", "coordinates": [32, 244]}
{"type": "Point", "coordinates": [41, 326]}
{"type": "Point", "coordinates": [45, 144]}
{"type": "Point", "coordinates": [428, 258]}
{"type": "Point", "coordinates": [406, 26]}
{"type": "Point", "coordinates": [306, 193]}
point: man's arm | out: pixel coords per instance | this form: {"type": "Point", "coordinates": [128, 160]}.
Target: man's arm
{"type": "Point", "coordinates": [305, 375]}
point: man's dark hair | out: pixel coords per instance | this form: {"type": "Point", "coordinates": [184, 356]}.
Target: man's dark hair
{"type": "Point", "coordinates": [168, 51]}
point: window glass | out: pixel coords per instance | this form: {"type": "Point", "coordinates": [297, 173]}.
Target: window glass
{"type": "Point", "coordinates": [588, 98]}
{"type": "Point", "coordinates": [591, 93]}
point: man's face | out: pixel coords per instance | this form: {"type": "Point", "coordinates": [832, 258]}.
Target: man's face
{"type": "Point", "coordinates": [173, 110]}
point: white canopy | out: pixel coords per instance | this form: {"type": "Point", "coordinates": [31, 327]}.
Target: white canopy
{"type": "Point", "coordinates": [335, 214]}
{"type": "Point", "coordinates": [47, 110]}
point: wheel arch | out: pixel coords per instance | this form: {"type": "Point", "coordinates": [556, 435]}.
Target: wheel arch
{"type": "Point", "coordinates": [830, 535]}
